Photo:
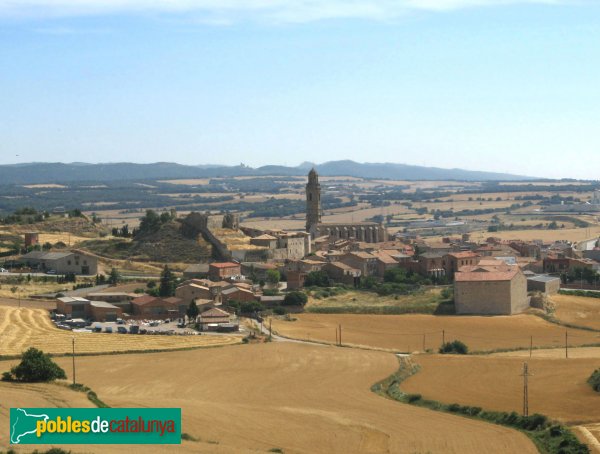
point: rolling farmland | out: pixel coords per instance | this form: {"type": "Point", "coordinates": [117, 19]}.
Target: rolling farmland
{"type": "Point", "coordinates": [235, 399]}
{"type": "Point", "coordinates": [406, 332]}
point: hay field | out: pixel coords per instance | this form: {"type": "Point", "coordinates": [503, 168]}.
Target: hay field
{"type": "Point", "coordinates": [299, 398]}
{"type": "Point", "coordinates": [362, 299]}
{"type": "Point", "coordinates": [21, 328]}
{"type": "Point", "coordinates": [578, 310]}
{"type": "Point", "coordinates": [25, 289]}
{"type": "Point", "coordinates": [576, 234]}
{"type": "Point", "coordinates": [557, 389]}
{"type": "Point", "coordinates": [405, 332]}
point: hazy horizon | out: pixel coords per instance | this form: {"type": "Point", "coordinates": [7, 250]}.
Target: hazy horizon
{"type": "Point", "coordinates": [486, 85]}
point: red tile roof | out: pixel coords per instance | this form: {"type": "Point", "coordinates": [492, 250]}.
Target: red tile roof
{"type": "Point", "coordinates": [225, 265]}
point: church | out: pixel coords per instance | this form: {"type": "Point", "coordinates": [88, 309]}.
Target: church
{"type": "Point", "coordinates": [368, 232]}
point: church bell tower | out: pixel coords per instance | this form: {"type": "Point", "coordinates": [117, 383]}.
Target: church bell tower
{"type": "Point", "coordinates": [313, 200]}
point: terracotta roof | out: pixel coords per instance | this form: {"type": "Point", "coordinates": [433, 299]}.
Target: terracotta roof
{"type": "Point", "coordinates": [486, 273]}
{"type": "Point", "coordinates": [342, 266]}
{"type": "Point", "coordinates": [143, 299]}
{"type": "Point", "coordinates": [265, 236]}
{"type": "Point", "coordinates": [173, 300]}
{"type": "Point", "coordinates": [463, 255]}
{"type": "Point", "coordinates": [363, 255]}
{"type": "Point", "coordinates": [224, 265]}
{"type": "Point", "coordinates": [214, 312]}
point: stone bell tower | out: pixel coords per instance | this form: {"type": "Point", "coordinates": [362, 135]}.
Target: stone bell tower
{"type": "Point", "coordinates": [313, 200]}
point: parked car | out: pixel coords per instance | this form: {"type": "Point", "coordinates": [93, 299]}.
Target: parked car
{"type": "Point", "coordinates": [2, 270]}
{"type": "Point", "coordinates": [108, 329]}
{"type": "Point", "coordinates": [120, 321]}
{"type": "Point", "coordinates": [51, 272]}
{"type": "Point", "coordinates": [122, 330]}
{"type": "Point", "coordinates": [134, 329]}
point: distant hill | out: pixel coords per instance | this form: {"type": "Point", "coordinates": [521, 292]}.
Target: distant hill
{"type": "Point", "coordinates": [37, 173]}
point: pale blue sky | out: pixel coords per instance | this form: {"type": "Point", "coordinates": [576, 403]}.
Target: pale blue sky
{"type": "Point", "coordinates": [500, 85]}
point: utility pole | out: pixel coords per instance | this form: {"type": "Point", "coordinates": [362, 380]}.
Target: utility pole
{"type": "Point", "coordinates": [424, 341]}
{"type": "Point", "coordinates": [525, 375]}
{"type": "Point", "coordinates": [340, 335]}
{"type": "Point", "coordinates": [443, 337]}
{"type": "Point", "coordinates": [566, 343]}
{"type": "Point", "coordinates": [270, 330]}
{"type": "Point", "coordinates": [74, 361]}
{"type": "Point", "coordinates": [336, 336]}
{"type": "Point", "coordinates": [530, 346]}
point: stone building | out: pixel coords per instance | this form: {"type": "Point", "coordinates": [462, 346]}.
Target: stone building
{"type": "Point", "coordinates": [490, 290]}
{"type": "Point", "coordinates": [369, 232]}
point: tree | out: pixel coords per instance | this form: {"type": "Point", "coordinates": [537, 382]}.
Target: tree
{"type": "Point", "coordinates": [317, 279]}
{"type": "Point", "coordinates": [37, 366]}
{"type": "Point", "coordinates": [167, 283]}
{"type": "Point", "coordinates": [295, 299]}
{"type": "Point", "coordinates": [114, 277]}
{"type": "Point", "coordinates": [192, 311]}
{"type": "Point", "coordinates": [149, 223]}
{"type": "Point", "coordinates": [594, 380]}
{"type": "Point", "coordinates": [454, 347]}
{"type": "Point", "coordinates": [273, 277]}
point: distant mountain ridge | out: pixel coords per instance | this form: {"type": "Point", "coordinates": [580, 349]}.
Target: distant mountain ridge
{"type": "Point", "coordinates": [38, 173]}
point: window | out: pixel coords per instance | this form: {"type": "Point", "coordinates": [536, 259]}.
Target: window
{"type": "Point", "coordinates": [68, 262]}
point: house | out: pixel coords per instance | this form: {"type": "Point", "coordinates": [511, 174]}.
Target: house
{"type": "Point", "coordinates": [212, 318]}
{"type": "Point", "coordinates": [192, 291]}
{"type": "Point", "coordinates": [153, 307]}
{"type": "Point", "coordinates": [177, 303]}
{"type": "Point", "coordinates": [237, 294]}
{"type": "Point", "coordinates": [197, 271]}
{"type": "Point", "coordinates": [431, 264]}
{"type": "Point", "coordinates": [295, 279]}
{"type": "Point", "coordinates": [490, 290]}
{"type": "Point", "coordinates": [61, 262]}
{"type": "Point", "coordinates": [223, 270]}
{"type": "Point", "coordinates": [340, 272]}
{"type": "Point", "coordinates": [456, 260]}
{"type": "Point", "coordinates": [549, 285]}
{"type": "Point", "coordinates": [363, 261]}
{"type": "Point", "coordinates": [384, 263]}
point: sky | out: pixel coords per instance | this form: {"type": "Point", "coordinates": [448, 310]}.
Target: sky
{"type": "Point", "coordinates": [497, 85]}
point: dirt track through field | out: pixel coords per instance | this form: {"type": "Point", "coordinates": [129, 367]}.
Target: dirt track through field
{"type": "Point", "coordinates": [405, 332]}
{"type": "Point", "coordinates": [21, 328]}
{"type": "Point", "coordinates": [299, 398]}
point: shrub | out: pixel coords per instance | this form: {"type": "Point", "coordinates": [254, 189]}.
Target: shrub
{"type": "Point", "coordinates": [295, 299]}
{"type": "Point", "coordinates": [279, 310]}
{"type": "Point", "coordinates": [594, 380]}
{"type": "Point", "coordinates": [413, 398]}
{"type": "Point", "coordinates": [456, 347]}
{"type": "Point", "coordinates": [36, 366]}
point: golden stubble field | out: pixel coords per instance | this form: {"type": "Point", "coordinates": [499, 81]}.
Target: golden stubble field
{"type": "Point", "coordinates": [405, 332]}
{"type": "Point", "coordinates": [302, 399]}
{"type": "Point", "coordinates": [577, 310]}
{"type": "Point", "coordinates": [557, 388]}
{"type": "Point", "coordinates": [21, 328]}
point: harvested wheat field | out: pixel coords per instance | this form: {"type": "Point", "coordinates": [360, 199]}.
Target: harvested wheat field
{"type": "Point", "coordinates": [578, 310]}
{"type": "Point", "coordinates": [405, 332]}
{"type": "Point", "coordinates": [301, 399]}
{"type": "Point", "coordinates": [557, 388]}
{"type": "Point", "coordinates": [21, 328]}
